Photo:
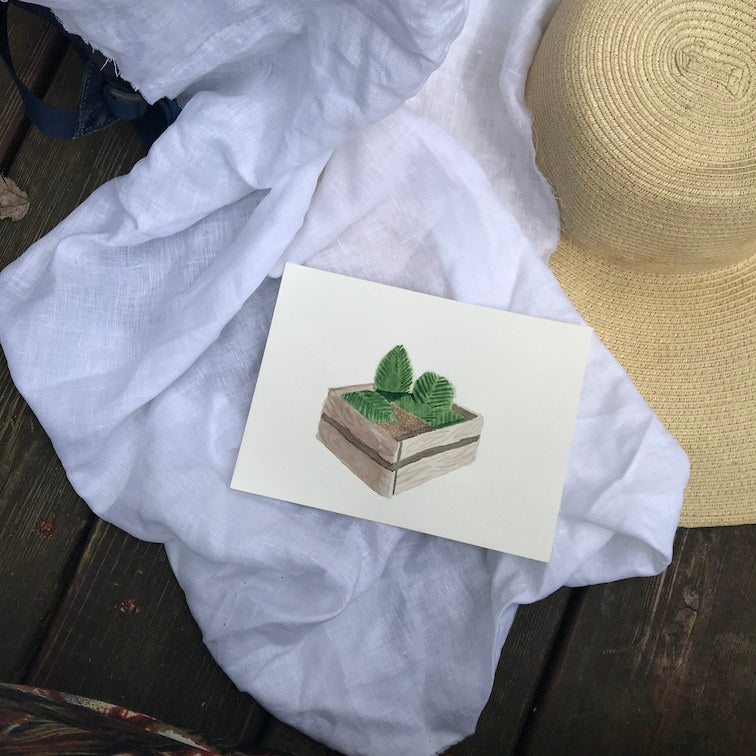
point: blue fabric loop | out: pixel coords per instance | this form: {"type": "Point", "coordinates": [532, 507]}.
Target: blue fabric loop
{"type": "Point", "coordinates": [104, 98]}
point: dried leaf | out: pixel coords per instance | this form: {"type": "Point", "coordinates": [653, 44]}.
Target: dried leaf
{"type": "Point", "coordinates": [14, 203]}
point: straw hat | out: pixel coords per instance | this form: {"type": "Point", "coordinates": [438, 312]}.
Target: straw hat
{"type": "Point", "coordinates": [644, 117]}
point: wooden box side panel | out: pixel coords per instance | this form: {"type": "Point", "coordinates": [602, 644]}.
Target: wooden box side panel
{"type": "Point", "coordinates": [423, 470]}
{"type": "Point", "coordinates": [368, 433]}
{"type": "Point", "coordinates": [442, 437]}
{"type": "Point", "coordinates": [367, 470]}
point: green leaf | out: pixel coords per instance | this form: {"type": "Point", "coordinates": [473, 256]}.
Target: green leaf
{"type": "Point", "coordinates": [435, 391]}
{"type": "Point", "coordinates": [393, 396]}
{"type": "Point", "coordinates": [446, 417]}
{"type": "Point", "coordinates": [436, 418]}
{"type": "Point", "coordinates": [394, 372]}
{"type": "Point", "coordinates": [371, 405]}
{"type": "Point", "coordinates": [418, 409]}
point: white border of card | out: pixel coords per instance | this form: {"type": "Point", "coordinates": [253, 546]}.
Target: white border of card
{"type": "Point", "coordinates": [492, 478]}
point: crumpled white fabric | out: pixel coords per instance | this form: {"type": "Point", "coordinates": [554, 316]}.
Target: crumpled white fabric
{"type": "Point", "coordinates": [135, 330]}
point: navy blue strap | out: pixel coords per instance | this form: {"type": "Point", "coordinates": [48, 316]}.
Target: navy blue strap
{"type": "Point", "coordinates": [55, 122]}
{"type": "Point", "coordinates": [156, 120]}
{"type": "Point", "coordinates": [104, 97]}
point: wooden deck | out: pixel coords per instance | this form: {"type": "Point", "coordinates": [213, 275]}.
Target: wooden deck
{"type": "Point", "coordinates": [662, 665]}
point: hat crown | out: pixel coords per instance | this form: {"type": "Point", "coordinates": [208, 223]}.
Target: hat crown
{"type": "Point", "coordinates": [644, 121]}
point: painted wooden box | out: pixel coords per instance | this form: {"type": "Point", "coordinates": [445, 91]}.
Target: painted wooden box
{"type": "Point", "coordinates": [394, 457]}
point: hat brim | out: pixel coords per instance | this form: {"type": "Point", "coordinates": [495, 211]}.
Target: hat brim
{"type": "Point", "coordinates": [688, 342]}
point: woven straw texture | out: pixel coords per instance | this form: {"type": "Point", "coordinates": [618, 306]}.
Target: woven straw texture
{"type": "Point", "coordinates": [644, 117]}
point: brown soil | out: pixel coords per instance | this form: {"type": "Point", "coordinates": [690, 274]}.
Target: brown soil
{"type": "Point", "coordinates": [404, 423]}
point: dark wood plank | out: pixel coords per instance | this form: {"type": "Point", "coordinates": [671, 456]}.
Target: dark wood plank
{"type": "Point", "coordinates": [278, 736]}
{"type": "Point", "coordinates": [42, 521]}
{"type": "Point", "coordinates": [523, 659]}
{"type": "Point", "coordinates": [42, 524]}
{"type": "Point", "coordinates": [37, 51]}
{"type": "Point", "coordinates": [125, 635]}
{"type": "Point", "coordinates": [664, 665]}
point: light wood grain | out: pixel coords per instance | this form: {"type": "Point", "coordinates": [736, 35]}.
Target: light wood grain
{"type": "Point", "coordinates": [373, 436]}
{"type": "Point", "coordinates": [431, 467]}
{"type": "Point", "coordinates": [367, 470]}
{"type": "Point", "coordinates": [443, 436]}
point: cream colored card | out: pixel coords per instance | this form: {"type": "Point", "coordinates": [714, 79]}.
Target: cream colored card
{"type": "Point", "coordinates": [429, 414]}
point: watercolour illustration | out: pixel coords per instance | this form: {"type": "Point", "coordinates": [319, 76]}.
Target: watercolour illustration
{"type": "Point", "coordinates": [395, 436]}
